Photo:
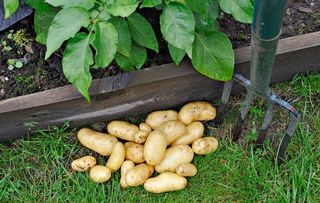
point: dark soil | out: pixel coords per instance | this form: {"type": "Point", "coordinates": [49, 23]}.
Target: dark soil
{"type": "Point", "coordinates": [302, 16]}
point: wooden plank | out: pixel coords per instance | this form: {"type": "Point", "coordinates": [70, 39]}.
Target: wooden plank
{"type": "Point", "coordinates": [142, 91]}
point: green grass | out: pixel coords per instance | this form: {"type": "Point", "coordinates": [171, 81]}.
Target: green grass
{"type": "Point", "coordinates": [37, 168]}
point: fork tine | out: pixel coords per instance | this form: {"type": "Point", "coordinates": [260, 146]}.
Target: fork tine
{"type": "Point", "coordinates": [265, 125]}
{"type": "Point", "coordinates": [224, 100]}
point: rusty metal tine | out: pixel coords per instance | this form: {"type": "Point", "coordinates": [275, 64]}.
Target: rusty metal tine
{"type": "Point", "coordinates": [224, 100]}
{"type": "Point", "coordinates": [265, 125]}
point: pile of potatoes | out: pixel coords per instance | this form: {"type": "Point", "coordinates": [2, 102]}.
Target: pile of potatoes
{"type": "Point", "coordinates": [166, 143]}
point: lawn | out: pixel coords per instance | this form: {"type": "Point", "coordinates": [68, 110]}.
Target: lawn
{"type": "Point", "coordinates": [37, 168]}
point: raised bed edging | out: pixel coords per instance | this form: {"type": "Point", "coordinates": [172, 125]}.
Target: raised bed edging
{"type": "Point", "coordinates": [142, 91]}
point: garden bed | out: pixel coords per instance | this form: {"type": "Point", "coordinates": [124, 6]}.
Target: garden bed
{"type": "Point", "coordinates": [152, 88]}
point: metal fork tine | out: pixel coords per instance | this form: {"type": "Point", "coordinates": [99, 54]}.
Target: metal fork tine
{"type": "Point", "coordinates": [224, 100]}
{"type": "Point", "coordinates": [265, 125]}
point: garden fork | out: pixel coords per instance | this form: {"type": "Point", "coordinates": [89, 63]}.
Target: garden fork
{"type": "Point", "coordinates": [266, 29]}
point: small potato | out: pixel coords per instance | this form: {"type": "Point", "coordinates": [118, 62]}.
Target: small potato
{"type": "Point", "coordinates": [134, 152]}
{"type": "Point", "coordinates": [156, 118]}
{"type": "Point", "coordinates": [165, 182]}
{"type": "Point", "coordinates": [117, 157]}
{"type": "Point", "coordinates": [99, 142]}
{"type": "Point", "coordinates": [145, 127]}
{"type": "Point", "coordinates": [138, 174]}
{"type": "Point", "coordinates": [155, 148]}
{"type": "Point", "coordinates": [84, 163]}
{"type": "Point", "coordinates": [205, 145]}
{"type": "Point", "coordinates": [100, 174]}
{"type": "Point", "coordinates": [141, 136]}
{"type": "Point", "coordinates": [172, 130]}
{"type": "Point", "coordinates": [187, 170]}
{"type": "Point", "coordinates": [127, 165]}
{"type": "Point", "coordinates": [193, 131]}
{"type": "Point", "coordinates": [122, 130]}
{"type": "Point", "coordinates": [174, 157]}
{"type": "Point", "coordinates": [196, 111]}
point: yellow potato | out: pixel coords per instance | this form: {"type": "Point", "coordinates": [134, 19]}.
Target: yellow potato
{"type": "Point", "coordinates": [174, 157]}
{"type": "Point", "coordinates": [145, 127]}
{"type": "Point", "coordinates": [165, 182]}
{"type": "Point", "coordinates": [172, 130]}
{"type": "Point", "coordinates": [155, 147]}
{"type": "Point", "coordinates": [156, 118]}
{"type": "Point", "coordinates": [122, 130]}
{"type": "Point", "coordinates": [84, 163]}
{"type": "Point", "coordinates": [205, 145]}
{"type": "Point", "coordinates": [193, 131]}
{"type": "Point", "coordinates": [117, 157]}
{"type": "Point", "coordinates": [100, 174]}
{"type": "Point", "coordinates": [127, 165]}
{"type": "Point", "coordinates": [99, 142]}
{"type": "Point", "coordinates": [138, 174]}
{"type": "Point", "coordinates": [186, 170]}
{"type": "Point", "coordinates": [141, 136]}
{"type": "Point", "coordinates": [134, 152]}
{"type": "Point", "coordinates": [196, 111]}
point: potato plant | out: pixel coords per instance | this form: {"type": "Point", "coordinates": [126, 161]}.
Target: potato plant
{"type": "Point", "coordinates": [98, 32]}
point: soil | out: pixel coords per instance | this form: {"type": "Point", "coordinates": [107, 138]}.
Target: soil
{"type": "Point", "coordinates": [302, 16]}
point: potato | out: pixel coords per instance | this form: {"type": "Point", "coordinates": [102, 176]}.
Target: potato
{"type": "Point", "coordinates": [145, 127]}
{"type": "Point", "coordinates": [100, 174]}
{"type": "Point", "coordinates": [156, 118]}
{"type": "Point", "coordinates": [165, 182]}
{"type": "Point", "coordinates": [196, 111]}
{"type": "Point", "coordinates": [174, 157]}
{"type": "Point", "coordinates": [127, 165]}
{"type": "Point", "coordinates": [205, 145]}
{"type": "Point", "coordinates": [193, 131]}
{"type": "Point", "coordinates": [99, 142]}
{"type": "Point", "coordinates": [186, 170]}
{"type": "Point", "coordinates": [172, 130]}
{"type": "Point", "coordinates": [141, 136]}
{"type": "Point", "coordinates": [117, 157]}
{"type": "Point", "coordinates": [84, 163]}
{"type": "Point", "coordinates": [134, 152]}
{"type": "Point", "coordinates": [155, 148]}
{"type": "Point", "coordinates": [138, 174]}
{"type": "Point", "coordinates": [122, 130]}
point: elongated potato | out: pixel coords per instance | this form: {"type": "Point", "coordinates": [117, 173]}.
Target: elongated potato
{"type": "Point", "coordinates": [117, 157]}
{"type": "Point", "coordinates": [134, 152]}
{"type": "Point", "coordinates": [165, 182]}
{"type": "Point", "coordinates": [100, 174]}
{"type": "Point", "coordinates": [156, 118]}
{"type": "Point", "coordinates": [99, 142]}
{"type": "Point", "coordinates": [138, 174]}
{"type": "Point", "coordinates": [84, 163]}
{"type": "Point", "coordinates": [172, 130]}
{"type": "Point", "coordinates": [196, 111]}
{"type": "Point", "coordinates": [141, 136]}
{"type": "Point", "coordinates": [193, 131]}
{"type": "Point", "coordinates": [175, 156]}
{"type": "Point", "coordinates": [205, 145]}
{"type": "Point", "coordinates": [155, 147]}
{"type": "Point", "coordinates": [122, 130]}
{"type": "Point", "coordinates": [126, 166]}
{"type": "Point", "coordinates": [145, 127]}
{"type": "Point", "coordinates": [186, 170]}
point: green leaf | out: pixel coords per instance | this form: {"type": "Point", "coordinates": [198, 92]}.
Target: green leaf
{"type": "Point", "coordinates": [176, 54]}
{"type": "Point", "coordinates": [213, 56]}
{"type": "Point", "coordinates": [18, 64]}
{"type": "Point", "coordinates": [241, 10]}
{"type": "Point", "coordinates": [76, 62]}
{"type": "Point", "coordinates": [150, 3]}
{"type": "Point", "coordinates": [10, 7]}
{"type": "Point", "coordinates": [105, 43]}
{"type": "Point", "coordinates": [39, 5]}
{"type": "Point", "coordinates": [137, 58]}
{"type": "Point", "coordinates": [177, 25]}
{"type": "Point", "coordinates": [124, 41]}
{"type": "Point", "coordinates": [87, 4]}
{"type": "Point", "coordinates": [123, 8]}
{"type": "Point", "coordinates": [64, 26]}
{"type": "Point", "coordinates": [141, 31]}
{"type": "Point", "coordinates": [198, 6]}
